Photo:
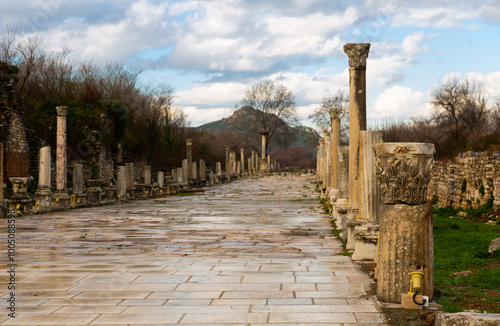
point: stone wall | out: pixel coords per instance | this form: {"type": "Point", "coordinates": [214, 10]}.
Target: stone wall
{"type": "Point", "coordinates": [468, 181]}
{"type": "Point", "coordinates": [12, 126]}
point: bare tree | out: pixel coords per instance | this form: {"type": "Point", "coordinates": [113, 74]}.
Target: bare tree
{"type": "Point", "coordinates": [460, 111]}
{"type": "Point", "coordinates": [321, 116]}
{"type": "Point", "coordinates": [275, 111]}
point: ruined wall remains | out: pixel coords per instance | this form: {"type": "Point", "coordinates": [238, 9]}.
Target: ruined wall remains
{"type": "Point", "coordinates": [467, 181]}
{"type": "Point", "coordinates": [12, 126]}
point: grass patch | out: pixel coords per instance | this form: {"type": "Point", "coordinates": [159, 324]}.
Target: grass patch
{"type": "Point", "coordinates": [462, 245]}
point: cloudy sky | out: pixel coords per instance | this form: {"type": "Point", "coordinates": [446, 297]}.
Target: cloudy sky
{"type": "Point", "coordinates": [212, 51]}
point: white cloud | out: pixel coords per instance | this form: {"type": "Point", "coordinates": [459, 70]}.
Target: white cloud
{"type": "Point", "coordinates": [211, 94]}
{"type": "Point", "coordinates": [197, 116]}
{"type": "Point", "coordinates": [412, 44]}
{"type": "Point", "coordinates": [399, 103]}
{"type": "Point", "coordinates": [441, 17]}
{"type": "Point", "coordinates": [490, 81]}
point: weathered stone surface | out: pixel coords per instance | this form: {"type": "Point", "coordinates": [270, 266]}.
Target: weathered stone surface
{"type": "Point", "coordinates": [20, 202]}
{"type": "Point", "coordinates": [43, 195]}
{"type": "Point", "coordinates": [467, 319]}
{"type": "Point", "coordinates": [160, 179]}
{"type": "Point", "coordinates": [203, 170]}
{"type": "Point", "coordinates": [344, 172]}
{"type": "Point", "coordinates": [494, 245]}
{"type": "Point", "coordinates": [404, 171]}
{"type": "Point", "coordinates": [357, 54]}
{"type": "Point", "coordinates": [61, 151]}
{"type": "Point", "coordinates": [185, 172]}
{"type": "Point", "coordinates": [335, 143]}
{"type": "Point", "coordinates": [147, 175]}
{"type": "Point", "coordinates": [121, 187]}
{"type": "Point", "coordinates": [405, 246]}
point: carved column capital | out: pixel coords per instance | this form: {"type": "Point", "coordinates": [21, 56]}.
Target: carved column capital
{"type": "Point", "coordinates": [357, 54]}
{"type": "Point", "coordinates": [335, 113]}
{"type": "Point", "coordinates": [62, 111]}
{"type": "Point", "coordinates": [404, 171]}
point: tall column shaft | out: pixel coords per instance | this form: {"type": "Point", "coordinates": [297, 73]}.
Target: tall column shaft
{"type": "Point", "coordinates": [263, 146]}
{"type": "Point", "coordinates": [227, 163]}
{"type": "Point", "coordinates": [189, 156]}
{"type": "Point", "coordinates": [242, 160]}
{"type": "Point", "coordinates": [357, 54]}
{"type": "Point", "coordinates": [335, 143]}
{"type": "Point", "coordinates": [62, 160]}
{"type": "Point", "coordinates": [44, 168]}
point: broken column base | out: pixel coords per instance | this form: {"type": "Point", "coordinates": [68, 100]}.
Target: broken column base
{"type": "Point", "coordinates": [94, 196]}
{"type": "Point", "coordinates": [131, 193]}
{"type": "Point", "coordinates": [43, 200]}
{"type": "Point", "coordinates": [365, 241]}
{"type": "Point", "coordinates": [61, 200]}
{"type": "Point", "coordinates": [78, 200]}
{"type": "Point", "coordinates": [364, 250]}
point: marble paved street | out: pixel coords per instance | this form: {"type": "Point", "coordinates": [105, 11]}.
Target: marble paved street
{"type": "Point", "coordinates": [253, 252]}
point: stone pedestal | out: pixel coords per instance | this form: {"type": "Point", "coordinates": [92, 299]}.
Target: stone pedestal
{"type": "Point", "coordinates": [78, 198]}
{"type": "Point", "coordinates": [43, 195]}
{"type": "Point", "coordinates": [94, 192]}
{"type": "Point", "coordinates": [20, 201]}
{"type": "Point", "coordinates": [147, 175]}
{"type": "Point", "coordinates": [406, 241]}
{"type": "Point", "coordinates": [367, 231]}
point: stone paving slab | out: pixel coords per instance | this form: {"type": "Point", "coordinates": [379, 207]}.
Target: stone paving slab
{"type": "Point", "coordinates": [253, 252]}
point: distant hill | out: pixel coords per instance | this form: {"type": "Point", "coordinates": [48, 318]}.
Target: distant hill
{"type": "Point", "coordinates": [242, 121]}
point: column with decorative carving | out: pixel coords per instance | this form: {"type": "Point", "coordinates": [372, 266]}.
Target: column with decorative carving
{"type": "Point", "coordinates": [405, 242]}
{"type": "Point", "coordinates": [357, 54]}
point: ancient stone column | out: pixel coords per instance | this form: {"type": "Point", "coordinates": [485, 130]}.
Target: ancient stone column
{"type": "Point", "coordinates": [406, 241]}
{"type": "Point", "coordinates": [343, 172]}
{"type": "Point", "coordinates": [321, 161]}
{"type": "Point", "coordinates": [238, 167]}
{"type": "Point", "coordinates": [62, 198]}
{"type": "Point", "coordinates": [367, 231]}
{"type": "Point", "coordinates": [218, 169]}
{"type": "Point", "coordinates": [227, 163]}
{"type": "Point", "coordinates": [79, 196]}
{"type": "Point", "coordinates": [232, 162]}
{"type": "Point", "coordinates": [328, 159]}
{"type": "Point", "coordinates": [242, 160]}
{"type": "Point", "coordinates": [185, 172]}
{"type": "Point", "coordinates": [130, 180]}
{"type": "Point", "coordinates": [194, 171]}
{"type": "Point", "coordinates": [335, 143]}
{"type": "Point", "coordinates": [253, 163]}
{"type": "Point", "coordinates": [147, 175]}
{"type": "Point", "coordinates": [203, 170]}
{"type": "Point", "coordinates": [264, 138]}
{"type": "Point", "coordinates": [160, 179]}
{"type": "Point", "coordinates": [249, 167]}
{"type": "Point", "coordinates": [179, 176]}
{"type": "Point", "coordinates": [121, 188]}
{"type": "Point", "coordinates": [189, 154]}
{"type": "Point", "coordinates": [43, 195]}
{"type": "Point", "coordinates": [357, 54]}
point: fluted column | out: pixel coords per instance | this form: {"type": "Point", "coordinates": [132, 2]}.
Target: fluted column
{"type": "Point", "coordinates": [406, 241]}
